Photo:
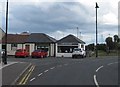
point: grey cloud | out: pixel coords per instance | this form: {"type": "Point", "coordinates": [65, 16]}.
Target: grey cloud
{"type": "Point", "coordinates": [58, 16]}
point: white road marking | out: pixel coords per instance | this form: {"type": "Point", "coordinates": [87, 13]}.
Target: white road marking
{"type": "Point", "coordinates": [52, 68]}
{"type": "Point", "coordinates": [115, 62]}
{"type": "Point", "coordinates": [46, 71]}
{"type": "Point", "coordinates": [40, 74]}
{"type": "Point", "coordinates": [32, 79]}
{"type": "Point", "coordinates": [99, 68]}
{"type": "Point", "coordinates": [112, 63]}
{"type": "Point", "coordinates": [95, 80]}
{"type": "Point", "coordinates": [21, 62]}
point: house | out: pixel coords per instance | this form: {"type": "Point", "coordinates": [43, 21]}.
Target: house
{"type": "Point", "coordinates": [30, 42]}
{"type": "Point", "coordinates": [41, 41]}
{"type": "Point", "coordinates": [2, 33]}
{"type": "Point", "coordinates": [14, 42]}
{"type": "Point", "coordinates": [65, 46]}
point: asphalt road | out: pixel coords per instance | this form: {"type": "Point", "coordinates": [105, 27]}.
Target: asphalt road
{"type": "Point", "coordinates": [12, 72]}
{"type": "Point", "coordinates": [68, 71]}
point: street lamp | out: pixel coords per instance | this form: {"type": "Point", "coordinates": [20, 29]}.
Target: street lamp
{"type": "Point", "coordinates": [5, 58]}
{"type": "Point", "coordinates": [77, 31]}
{"type": "Point", "coordinates": [96, 30]}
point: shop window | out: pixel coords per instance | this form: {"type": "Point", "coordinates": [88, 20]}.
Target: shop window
{"type": "Point", "coordinates": [45, 48]}
{"type": "Point", "coordinates": [66, 49]}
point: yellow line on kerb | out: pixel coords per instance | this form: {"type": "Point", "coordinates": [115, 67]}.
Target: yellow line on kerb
{"type": "Point", "coordinates": [27, 75]}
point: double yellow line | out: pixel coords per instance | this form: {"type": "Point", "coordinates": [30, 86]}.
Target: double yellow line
{"type": "Point", "coordinates": [26, 76]}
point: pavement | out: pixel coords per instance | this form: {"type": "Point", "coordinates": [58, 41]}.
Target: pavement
{"type": "Point", "coordinates": [12, 71]}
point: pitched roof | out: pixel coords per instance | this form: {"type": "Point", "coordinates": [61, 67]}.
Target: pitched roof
{"type": "Point", "coordinates": [40, 38]}
{"type": "Point", "coordinates": [70, 39]}
{"type": "Point", "coordinates": [15, 38]}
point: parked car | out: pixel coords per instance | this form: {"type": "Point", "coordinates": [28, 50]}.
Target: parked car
{"type": "Point", "coordinates": [78, 52]}
{"type": "Point", "coordinates": [21, 53]}
{"type": "Point", "coordinates": [39, 53]}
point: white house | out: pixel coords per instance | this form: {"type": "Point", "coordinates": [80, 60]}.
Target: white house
{"type": "Point", "coordinates": [14, 42]}
{"type": "Point", "coordinates": [30, 42]}
{"type": "Point", "coordinates": [34, 41]}
{"type": "Point", "coordinates": [41, 41]}
{"type": "Point", "coordinates": [65, 46]}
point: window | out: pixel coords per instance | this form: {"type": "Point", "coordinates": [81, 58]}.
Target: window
{"type": "Point", "coordinates": [45, 48]}
{"type": "Point", "coordinates": [82, 46]}
{"type": "Point", "coordinates": [13, 46]}
{"type": "Point", "coordinates": [66, 49]}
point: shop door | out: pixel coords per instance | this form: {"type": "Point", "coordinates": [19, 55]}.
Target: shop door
{"type": "Point", "coordinates": [27, 47]}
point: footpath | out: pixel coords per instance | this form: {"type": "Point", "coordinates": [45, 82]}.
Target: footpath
{"type": "Point", "coordinates": [12, 71]}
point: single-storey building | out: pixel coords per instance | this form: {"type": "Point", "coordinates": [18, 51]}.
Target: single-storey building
{"type": "Point", "coordinates": [41, 41]}
{"type": "Point", "coordinates": [65, 46]}
{"type": "Point", "coordinates": [61, 48]}
{"type": "Point", "coordinates": [14, 42]}
{"type": "Point", "coordinates": [30, 42]}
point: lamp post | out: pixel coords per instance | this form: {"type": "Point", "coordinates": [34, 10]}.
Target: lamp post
{"type": "Point", "coordinates": [77, 31]}
{"type": "Point", "coordinates": [96, 30]}
{"type": "Point", "coordinates": [5, 58]}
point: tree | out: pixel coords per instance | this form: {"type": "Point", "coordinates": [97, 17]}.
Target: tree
{"type": "Point", "coordinates": [91, 47]}
{"type": "Point", "coordinates": [101, 47]}
{"type": "Point", "coordinates": [116, 41]}
{"type": "Point", "coordinates": [116, 38]}
{"type": "Point", "coordinates": [109, 43]}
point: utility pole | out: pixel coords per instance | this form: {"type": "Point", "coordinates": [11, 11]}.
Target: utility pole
{"type": "Point", "coordinates": [96, 30]}
{"type": "Point", "coordinates": [5, 58]}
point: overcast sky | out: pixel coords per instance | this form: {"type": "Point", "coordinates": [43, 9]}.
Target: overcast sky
{"type": "Point", "coordinates": [59, 18]}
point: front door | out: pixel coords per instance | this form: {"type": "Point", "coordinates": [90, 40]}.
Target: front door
{"type": "Point", "coordinates": [27, 47]}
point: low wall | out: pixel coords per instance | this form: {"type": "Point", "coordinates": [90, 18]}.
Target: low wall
{"type": "Point", "coordinates": [64, 55]}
